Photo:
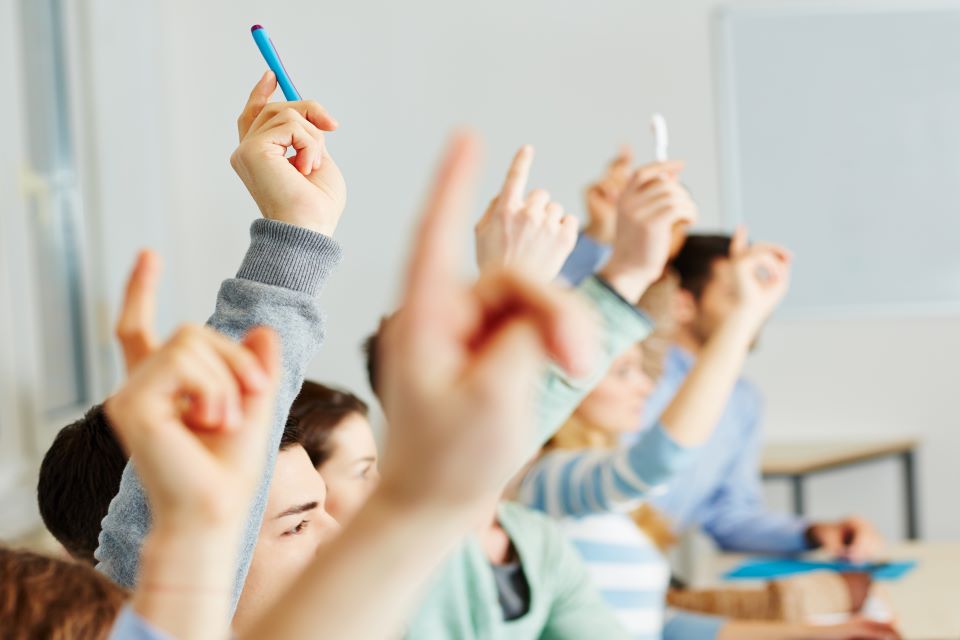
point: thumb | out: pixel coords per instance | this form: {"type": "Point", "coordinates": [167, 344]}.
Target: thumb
{"type": "Point", "coordinates": [259, 97]}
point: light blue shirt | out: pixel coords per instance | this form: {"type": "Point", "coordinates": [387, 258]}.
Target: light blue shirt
{"type": "Point", "coordinates": [724, 496]}
{"type": "Point", "coordinates": [130, 626]}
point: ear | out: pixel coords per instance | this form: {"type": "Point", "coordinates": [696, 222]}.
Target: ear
{"type": "Point", "coordinates": [683, 307]}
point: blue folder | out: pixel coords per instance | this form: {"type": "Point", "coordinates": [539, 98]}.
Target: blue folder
{"type": "Point", "coordinates": [768, 569]}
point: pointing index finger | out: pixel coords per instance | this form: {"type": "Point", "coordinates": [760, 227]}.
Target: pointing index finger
{"type": "Point", "coordinates": [515, 185]}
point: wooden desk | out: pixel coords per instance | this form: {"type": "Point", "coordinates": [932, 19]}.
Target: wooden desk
{"type": "Point", "coordinates": [926, 601]}
{"type": "Point", "coordinates": [795, 461]}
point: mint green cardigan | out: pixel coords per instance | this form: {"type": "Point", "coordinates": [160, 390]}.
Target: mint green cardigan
{"type": "Point", "coordinates": [462, 601]}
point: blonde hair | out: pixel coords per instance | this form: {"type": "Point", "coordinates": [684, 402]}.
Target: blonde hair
{"type": "Point", "coordinates": [577, 433]}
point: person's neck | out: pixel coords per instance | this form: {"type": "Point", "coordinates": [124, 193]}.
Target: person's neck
{"type": "Point", "coordinates": [496, 544]}
{"type": "Point", "coordinates": [597, 438]}
{"type": "Point", "coordinates": [687, 341]}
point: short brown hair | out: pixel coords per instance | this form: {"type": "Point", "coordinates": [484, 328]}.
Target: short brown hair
{"type": "Point", "coordinates": [317, 410]}
{"type": "Point", "coordinates": [694, 263]}
{"type": "Point", "coordinates": [79, 476]}
{"type": "Point", "coordinates": [42, 597]}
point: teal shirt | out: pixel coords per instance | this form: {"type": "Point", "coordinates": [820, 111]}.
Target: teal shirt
{"type": "Point", "coordinates": [463, 601]}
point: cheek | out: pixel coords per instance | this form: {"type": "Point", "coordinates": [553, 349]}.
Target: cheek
{"type": "Point", "coordinates": [611, 408]}
{"type": "Point", "coordinates": [274, 566]}
{"type": "Point", "coordinates": [344, 499]}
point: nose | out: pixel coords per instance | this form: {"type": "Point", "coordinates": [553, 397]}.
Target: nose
{"type": "Point", "coordinates": [328, 529]}
{"type": "Point", "coordinates": [644, 385]}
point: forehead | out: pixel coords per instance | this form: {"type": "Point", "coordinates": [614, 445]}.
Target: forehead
{"type": "Point", "coordinates": [354, 437]}
{"type": "Point", "coordinates": [295, 481]}
{"type": "Point", "coordinates": [721, 271]}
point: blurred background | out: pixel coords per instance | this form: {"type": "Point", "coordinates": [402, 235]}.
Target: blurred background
{"type": "Point", "coordinates": [829, 127]}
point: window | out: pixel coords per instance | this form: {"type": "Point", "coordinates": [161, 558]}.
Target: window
{"type": "Point", "coordinates": [53, 209]}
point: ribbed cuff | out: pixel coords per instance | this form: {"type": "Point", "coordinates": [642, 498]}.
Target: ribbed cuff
{"type": "Point", "coordinates": [284, 255]}
{"type": "Point", "coordinates": [624, 320]}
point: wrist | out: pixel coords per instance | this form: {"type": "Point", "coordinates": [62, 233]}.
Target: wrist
{"type": "Point", "coordinates": [745, 322]}
{"type": "Point", "coordinates": [433, 511]}
{"type": "Point", "coordinates": [185, 584]}
{"type": "Point", "coordinates": [629, 282]}
{"type": "Point", "coordinates": [602, 233]}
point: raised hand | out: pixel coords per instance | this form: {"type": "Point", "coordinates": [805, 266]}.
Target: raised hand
{"type": "Point", "coordinates": [651, 206]}
{"type": "Point", "coordinates": [762, 275]}
{"type": "Point", "coordinates": [194, 414]}
{"type": "Point", "coordinates": [602, 197]}
{"type": "Point", "coordinates": [307, 189]}
{"type": "Point", "coordinates": [528, 234]}
{"type": "Point", "coordinates": [460, 425]}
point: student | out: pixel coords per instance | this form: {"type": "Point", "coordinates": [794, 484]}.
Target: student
{"type": "Point", "coordinates": [337, 436]}
{"type": "Point", "coordinates": [724, 497]}
{"type": "Point", "coordinates": [457, 435]}
{"type": "Point", "coordinates": [291, 255]}
{"type": "Point", "coordinates": [43, 597]}
{"type": "Point", "coordinates": [597, 487]}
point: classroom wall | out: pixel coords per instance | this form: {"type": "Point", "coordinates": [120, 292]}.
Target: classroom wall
{"type": "Point", "coordinates": [574, 80]}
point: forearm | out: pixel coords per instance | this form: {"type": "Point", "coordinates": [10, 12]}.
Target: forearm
{"type": "Point", "coordinates": [696, 408]}
{"type": "Point", "coordinates": [366, 582]}
{"type": "Point", "coordinates": [577, 483]}
{"type": "Point", "coordinates": [753, 529]}
{"type": "Point", "coordinates": [621, 325]}
{"type": "Point", "coordinates": [186, 580]}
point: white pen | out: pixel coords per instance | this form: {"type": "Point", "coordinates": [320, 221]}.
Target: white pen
{"type": "Point", "coordinates": [660, 138]}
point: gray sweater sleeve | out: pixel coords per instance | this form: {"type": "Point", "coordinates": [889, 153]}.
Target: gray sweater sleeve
{"type": "Point", "coordinates": [277, 286]}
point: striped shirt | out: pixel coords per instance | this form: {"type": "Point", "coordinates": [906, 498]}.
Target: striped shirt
{"type": "Point", "coordinates": [628, 570]}
{"type": "Point", "coordinates": [591, 491]}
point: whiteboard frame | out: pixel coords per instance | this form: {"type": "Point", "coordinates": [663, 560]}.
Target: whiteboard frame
{"type": "Point", "coordinates": [728, 152]}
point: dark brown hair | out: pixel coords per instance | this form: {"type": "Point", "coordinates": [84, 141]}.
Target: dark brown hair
{"type": "Point", "coordinates": [317, 411]}
{"type": "Point", "coordinates": [42, 597]}
{"type": "Point", "coordinates": [79, 476]}
{"type": "Point", "coordinates": [694, 263]}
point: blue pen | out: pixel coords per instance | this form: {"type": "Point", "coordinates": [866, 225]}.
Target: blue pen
{"type": "Point", "coordinates": [265, 44]}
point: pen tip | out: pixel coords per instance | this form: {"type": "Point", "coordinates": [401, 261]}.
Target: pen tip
{"type": "Point", "coordinates": [255, 27]}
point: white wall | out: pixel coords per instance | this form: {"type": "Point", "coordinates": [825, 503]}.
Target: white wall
{"type": "Point", "coordinates": [574, 79]}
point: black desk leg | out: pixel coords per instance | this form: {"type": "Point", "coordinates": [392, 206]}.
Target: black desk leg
{"type": "Point", "coordinates": [798, 497]}
{"type": "Point", "coordinates": [910, 495]}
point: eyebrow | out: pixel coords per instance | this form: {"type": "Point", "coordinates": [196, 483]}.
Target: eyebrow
{"type": "Point", "coordinates": [300, 508]}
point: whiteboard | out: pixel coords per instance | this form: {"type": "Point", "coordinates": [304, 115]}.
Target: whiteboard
{"type": "Point", "coordinates": [839, 134]}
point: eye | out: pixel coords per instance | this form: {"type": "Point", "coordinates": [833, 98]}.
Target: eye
{"type": "Point", "coordinates": [297, 530]}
